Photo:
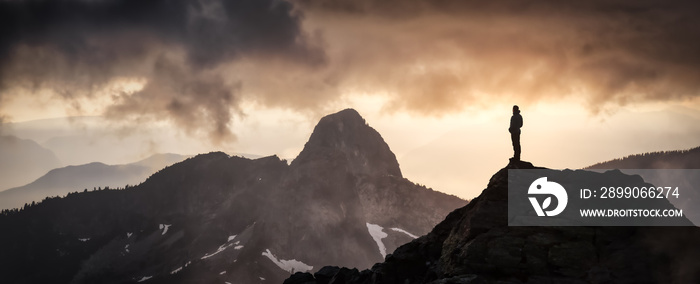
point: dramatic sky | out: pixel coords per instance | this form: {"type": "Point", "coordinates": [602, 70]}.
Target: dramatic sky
{"type": "Point", "coordinates": [595, 79]}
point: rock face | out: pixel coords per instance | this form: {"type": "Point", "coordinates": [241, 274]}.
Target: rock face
{"type": "Point", "coordinates": [215, 218]}
{"type": "Point", "coordinates": [345, 137]}
{"type": "Point", "coordinates": [475, 245]}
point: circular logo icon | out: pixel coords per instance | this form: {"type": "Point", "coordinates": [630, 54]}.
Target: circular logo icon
{"type": "Point", "coordinates": [542, 186]}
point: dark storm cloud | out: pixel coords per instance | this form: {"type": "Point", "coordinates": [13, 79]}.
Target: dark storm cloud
{"type": "Point", "coordinates": [198, 102]}
{"type": "Point", "coordinates": [201, 59]}
{"type": "Point", "coordinates": [209, 30]}
{"type": "Point", "coordinates": [611, 52]}
{"type": "Point", "coordinates": [76, 47]}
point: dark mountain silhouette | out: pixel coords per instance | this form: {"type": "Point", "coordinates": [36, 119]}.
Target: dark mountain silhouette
{"type": "Point", "coordinates": [683, 159]}
{"type": "Point", "coordinates": [23, 160]}
{"type": "Point", "coordinates": [215, 218]}
{"type": "Point", "coordinates": [61, 181]}
{"type": "Point", "coordinates": [475, 245]}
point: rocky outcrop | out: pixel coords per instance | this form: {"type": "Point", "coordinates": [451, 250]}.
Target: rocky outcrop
{"type": "Point", "coordinates": [475, 245]}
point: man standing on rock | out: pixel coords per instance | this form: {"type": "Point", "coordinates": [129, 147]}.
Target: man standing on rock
{"type": "Point", "coordinates": [516, 121]}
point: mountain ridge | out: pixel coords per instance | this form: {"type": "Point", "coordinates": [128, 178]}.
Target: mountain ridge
{"type": "Point", "coordinates": [61, 181]}
{"type": "Point", "coordinates": [680, 159]}
{"type": "Point", "coordinates": [23, 160]}
{"type": "Point", "coordinates": [218, 218]}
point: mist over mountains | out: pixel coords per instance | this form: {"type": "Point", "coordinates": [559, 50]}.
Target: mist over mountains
{"type": "Point", "coordinates": [61, 181]}
{"type": "Point", "coordinates": [88, 139]}
{"type": "Point", "coordinates": [23, 160]}
{"type": "Point", "coordinates": [219, 218]}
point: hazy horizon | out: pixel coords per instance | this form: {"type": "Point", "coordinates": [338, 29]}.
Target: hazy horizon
{"type": "Point", "coordinates": [453, 155]}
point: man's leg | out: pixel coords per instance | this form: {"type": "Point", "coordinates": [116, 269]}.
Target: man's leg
{"type": "Point", "coordinates": [515, 137]}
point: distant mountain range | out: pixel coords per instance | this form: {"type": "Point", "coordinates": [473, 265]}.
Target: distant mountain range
{"type": "Point", "coordinates": [641, 164]}
{"type": "Point", "coordinates": [682, 159]}
{"type": "Point", "coordinates": [474, 244]}
{"type": "Point", "coordinates": [216, 218]}
{"type": "Point", "coordinates": [23, 160]}
{"type": "Point", "coordinates": [61, 181]}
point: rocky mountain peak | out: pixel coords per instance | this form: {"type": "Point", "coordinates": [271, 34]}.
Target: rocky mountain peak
{"type": "Point", "coordinates": [345, 137]}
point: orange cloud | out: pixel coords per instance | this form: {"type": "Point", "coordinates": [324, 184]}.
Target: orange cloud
{"type": "Point", "coordinates": [202, 59]}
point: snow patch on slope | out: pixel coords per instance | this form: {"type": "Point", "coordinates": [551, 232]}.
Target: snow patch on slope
{"type": "Point", "coordinates": [220, 249]}
{"type": "Point", "coordinates": [405, 232]}
{"type": "Point", "coordinates": [164, 227]}
{"type": "Point", "coordinates": [291, 266]}
{"type": "Point", "coordinates": [144, 278]}
{"type": "Point", "coordinates": [224, 247]}
{"type": "Point", "coordinates": [378, 234]}
{"type": "Point", "coordinates": [180, 268]}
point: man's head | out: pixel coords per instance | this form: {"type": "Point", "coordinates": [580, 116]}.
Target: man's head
{"type": "Point", "coordinates": [516, 109]}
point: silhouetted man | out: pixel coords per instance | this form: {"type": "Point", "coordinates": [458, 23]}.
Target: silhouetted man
{"type": "Point", "coordinates": [516, 121]}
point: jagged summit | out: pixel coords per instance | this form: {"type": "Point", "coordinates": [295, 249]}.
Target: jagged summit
{"type": "Point", "coordinates": [345, 137]}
